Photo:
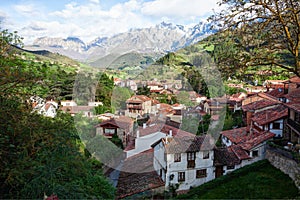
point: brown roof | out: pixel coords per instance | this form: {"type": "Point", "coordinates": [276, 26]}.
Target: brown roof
{"type": "Point", "coordinates": [138, 99]}
{"type": "Point", "coordinates": [225, 156]}
{"type": "Point", "coordinates": [122, 122]}
{"type": "Point", "coordinates": [143, 177]}
{"type": "Point", "coordinates": [76, 109]}
{"type": "Point", "coordinates": [245, 139]}
{"type": "Point", "coordinates": [239, 152]}
{"type": "Point", "coordinates": [278, 92]}
{"type": "Point", "coordinates": [295, 79]}
{"type": "Point", "coordinates": [164, 128]}
{"type": "Point", "coordinates": [258, 105]}
{"type": "Point", "coordinates": [188, 144]}
{"type": "Point", "coordinates": [253, 142]}
{"type": "Point", "coordinates": [293, 95]}
{"type": "Point", "coordinates": [236, 135]}
{"type": "Point", "coordinates": [270, 115]}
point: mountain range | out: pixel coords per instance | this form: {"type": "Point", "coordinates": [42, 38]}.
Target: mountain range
{"type": "Point", "coordinates": [154, 41]}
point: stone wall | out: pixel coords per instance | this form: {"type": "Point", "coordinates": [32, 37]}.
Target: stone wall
{"type": "Point", "coordinates": [284, 161]}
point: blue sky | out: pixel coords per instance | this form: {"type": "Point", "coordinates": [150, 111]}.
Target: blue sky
{"type": "Point", "coordinates": [89, 19]}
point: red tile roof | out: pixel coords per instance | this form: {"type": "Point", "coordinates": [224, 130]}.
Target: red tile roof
{"type": "Point", "coordinates": [225, 156]}
{"type": "Point", "coordinates": [138, 175]}
{"type": "Point", "coordinates": [278, 92]}
{"type": "Point", "coordinates": [138, 99]}
{"type": "Point", "coordinates": [270, 115]}
{"type": "Point", "coordinates": [295, 79]}
{"type": "Point", "coordinates": [188, 144]}
{"type": "Point", "coordinates": [76, 109]}
{"type": "Point", "coordinates": [236, 135]}
{"type": "Point", "coordinates": [246, 139]}
{"type": "Point", "coordinates": [239, 152]}
{"type": "Point", "coordinates": [293, 95]}
{"type": "Point", "coordinates": [122, 122]}
{"type": "Point", "coordinates": [258, 105]}
{"type": "Point", "coordinates": [253, 142]}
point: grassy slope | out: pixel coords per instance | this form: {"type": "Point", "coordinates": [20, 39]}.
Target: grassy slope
{"type": "Point", "coordinates": [257, 181]}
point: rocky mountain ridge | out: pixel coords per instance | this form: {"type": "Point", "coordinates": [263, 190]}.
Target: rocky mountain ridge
{"type": "Point", "coordinates": [160, 39]}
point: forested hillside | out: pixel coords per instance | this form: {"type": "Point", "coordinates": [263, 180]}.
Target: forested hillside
{"type": "Point", "coordinates": [41, 155]}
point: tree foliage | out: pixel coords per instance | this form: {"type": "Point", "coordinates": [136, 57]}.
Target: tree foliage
{"type": "Point", "coordinates": [259, 33]}
{"type": "Point", "coordinates": [40, 155]}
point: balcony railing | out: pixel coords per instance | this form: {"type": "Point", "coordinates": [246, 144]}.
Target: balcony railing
{"type": "Point", "coordinates": [138, 107]}
{"type": "Point", "coordinates": [294, 124]}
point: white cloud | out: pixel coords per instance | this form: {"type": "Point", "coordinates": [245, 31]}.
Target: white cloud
{"type": "Point", "coordinates": [95, 1]}
{"type": "Point", "coordinates": [28, 10]}
{"type": "Point", "coordinates": [178, 8]}
{"type": "Point", "coordinates": [91, 20]}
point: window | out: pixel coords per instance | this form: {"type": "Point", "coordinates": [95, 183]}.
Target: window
{"type": "Point", "coordinates": [201, 173]}
{"type": "Point", "coordinates": [191, 159]}
{"type": "Point", "coordinates": [177, 157]}
{"type": "Point", "coordinates": [230, 167]}
{"type": "Point", "coordinates": [205, 154]}
{"type": "Point", "coordinates": [181, 176]}
{"type": "Point", "coordinates": [191, 156]}
{"type": "Point", "coordinates": [276, 125]}
{"type": "Point", "coordinates": [109, 131]}
{"type": "Point", "coordinates": [255, 153]}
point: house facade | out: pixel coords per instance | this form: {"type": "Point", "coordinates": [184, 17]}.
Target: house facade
{"type": "Point", "coordinates": [138, 105]}
{"type": "Point", "coordinates": [121, 126]}
{"type": "Point", "coordinates": [185, 162]}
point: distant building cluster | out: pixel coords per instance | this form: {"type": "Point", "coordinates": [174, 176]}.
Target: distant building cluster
{"type": "Point", "coordinates": [159, 155]}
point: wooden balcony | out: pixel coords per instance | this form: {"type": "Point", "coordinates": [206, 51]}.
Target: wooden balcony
{"type": "Point", "coordinates": [136, 107]}
{"type": "Point", "coordinates": [294, 125]}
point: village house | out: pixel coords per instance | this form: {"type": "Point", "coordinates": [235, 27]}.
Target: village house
{"type": "Point", "coordinates": [292, 131]}
{"type": "Point", "coordinates": [138, 105]}
{"type": "Point", "coordinates": [271, 119]}
{"type": "Point", "coordinates": [86, 111]}
{"type": "Point", "coordinates": [47, 108]}
{"type": "Point", "coordinates": [68, 103]}
{"type": "Point", "coordinates": [149, 134]}
{"type": "Point", "coordinates": [184, 162]}
{"type": "Point", "coordinates": [121, 126]}
{"type": "Point", "coordinates": [249, 145]}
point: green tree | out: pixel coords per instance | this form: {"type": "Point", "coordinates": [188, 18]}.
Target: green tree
{"type": "Point", "coordinates": [259, 33]}
{"type": "Point", "coordinates": [40, 155]}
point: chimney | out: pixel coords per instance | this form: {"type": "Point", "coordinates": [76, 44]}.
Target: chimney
{"type": "Point", "coordinates": [170, 133]}
{"type": "Point", "coordinates": [144, 125]}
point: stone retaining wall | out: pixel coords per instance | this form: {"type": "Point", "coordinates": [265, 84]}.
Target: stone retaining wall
{"type": "Point", "coordinates": [284, 161]}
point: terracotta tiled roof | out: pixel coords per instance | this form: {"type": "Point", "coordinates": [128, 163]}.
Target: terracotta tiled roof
{"type": "Point", "coordinates": [258, 105]}
{"type": "Point", "coordinates": [225, 156]}
{"type": "Point", "coordinates": [121, 122]}
{"type": "Point", "coordinates": [149, 129]}
{"type": "Point", "coordinates": [163, 128]}
{"type": "Point", "coordinates": [295, 79]}
{"type": "Point", "coordinates": [237, 135]}
{"type": "Point", "coordinates": [294, 105]}
{"type": "Point", "coordinates": [253, 142]}
{"type": "Point", "coordinates": [142, 179]}
{"type": "Point", "coordinates": [138, 99]}
{"type": "Point", "coordinates": [76, 109]}
{"type": "Point", "coordinates": [294, 95]}
{"type": "Point", "coordinates": [239, 152]}
{"type": "Point", "coordinates": [270, 115]}
{"type": "Point", "coordinates": [279, 92]}
{"type": "Point", "coordinates": [188, 144]}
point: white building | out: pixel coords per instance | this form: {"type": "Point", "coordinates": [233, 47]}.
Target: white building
{"type": "Point", "coordinates": [184, 162]}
